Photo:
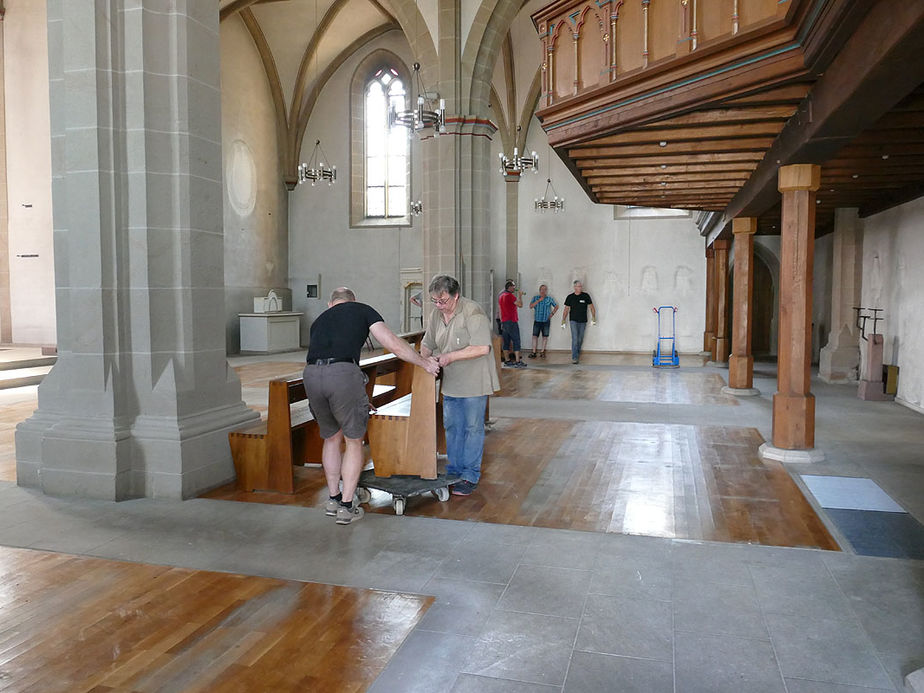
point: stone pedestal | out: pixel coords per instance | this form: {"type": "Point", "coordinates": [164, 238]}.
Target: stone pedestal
{"type": "Point", "coordinates": [839, 359]}
{"type": "Point", "coordinates": [871, 386]}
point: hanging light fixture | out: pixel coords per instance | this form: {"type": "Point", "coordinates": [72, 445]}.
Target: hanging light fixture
{"type": "Point", "coordinates": [315, 170]}
{"type": "Point", "coordinates": [556, 204]}
{"type": "Point", "coordinates": [429, 115]}
{"type": "Point", "coordinates": [517, 164]}
{"type": "Point", "coordinates": [417, 208]}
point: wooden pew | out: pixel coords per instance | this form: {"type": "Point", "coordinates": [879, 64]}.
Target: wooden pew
{"type": "Point", "coordinates": [265, 452]}
{"type": "Point", "coordinates": [403, 434]}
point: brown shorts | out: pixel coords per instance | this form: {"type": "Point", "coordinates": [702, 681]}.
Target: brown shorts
{"type": "Point", "coordinates": [337, 398]}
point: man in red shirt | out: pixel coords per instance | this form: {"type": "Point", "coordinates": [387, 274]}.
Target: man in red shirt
{"type": "Point", "coordinates": [509, 300]}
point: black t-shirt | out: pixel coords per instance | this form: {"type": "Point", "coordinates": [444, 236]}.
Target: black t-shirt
{"type": "Point", "coordinates": [578, 306]}
{"type": "Point", "coordinates": [341, 330]}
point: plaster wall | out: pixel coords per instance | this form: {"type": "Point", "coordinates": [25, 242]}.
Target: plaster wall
{"type": "Point", "coordinates": [821, 294]}
{"type": "Point", "coordinates": [627, 266]}
{"type": "Point", "coordinates": [893, 252]}
{"type": "Point", "coordinates": [321, 242]}
{"type": "Point", "coordinates": [255, 206]}
{"type": "Point", "coordinates": [28, 162]}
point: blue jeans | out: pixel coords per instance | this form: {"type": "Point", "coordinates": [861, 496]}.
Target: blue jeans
{"type": "Point", "coordinates": [577, 338]}
{"type": "Point", "coordinates": [463, 419]}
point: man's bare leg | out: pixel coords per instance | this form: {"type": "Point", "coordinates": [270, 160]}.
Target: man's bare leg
{"type": "Point", "coordinates": [332, 461]}
{"type": "Point", "coordinates": [351, 467]}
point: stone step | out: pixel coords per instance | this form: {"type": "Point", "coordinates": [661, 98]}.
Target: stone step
{"type": "Point", "coordinates": [20, 377]}
{"type": "Point", "coordinates": [33, 362]}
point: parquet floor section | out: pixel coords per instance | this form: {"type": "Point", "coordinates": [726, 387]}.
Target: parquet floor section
{"type": "Point", "coordinates": [664, 480]}
{"type": "Point", "coordinates": [76, 624]}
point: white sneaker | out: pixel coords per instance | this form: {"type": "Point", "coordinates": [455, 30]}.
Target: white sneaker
{"type": "Point", "coordinates": [347, 516]}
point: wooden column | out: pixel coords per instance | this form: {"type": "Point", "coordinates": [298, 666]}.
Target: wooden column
{"type": "Point", "coordinates": [793, 403]}
{"type": "Point", "coordinates": [709, 333]}
{"type": "Point", "coordinates": [741, 363]}
{"type": "Point", "coordinates": [720, 354]}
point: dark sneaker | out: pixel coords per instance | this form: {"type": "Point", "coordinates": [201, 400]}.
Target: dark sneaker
{"type": "Point", "coordinates": [574, 360]}
{"type": "Point", "coordinates": [346, 516]}
{"type": "Point", "coordinates": [463, 488]}
{"type": "Point", "coordinates": [510, 364]}
{"type": "Point", "coordinates": [519, 364]}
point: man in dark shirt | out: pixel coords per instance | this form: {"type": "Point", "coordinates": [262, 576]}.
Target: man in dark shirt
{"type": "Point", "coordinates": [577, 304]}
{"type": "Point", "coordinates": [336, 389]}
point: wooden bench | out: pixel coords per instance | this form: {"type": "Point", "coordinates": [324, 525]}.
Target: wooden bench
{"type": "Point", "coordinates": [265, 452]}
{"type": "Point", "coordinates": [404, 435]}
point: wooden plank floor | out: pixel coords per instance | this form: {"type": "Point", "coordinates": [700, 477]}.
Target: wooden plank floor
{"type": "Point", "coordinates": [668, 480]}
{"type": "Point", "coordinates": [85, 624]}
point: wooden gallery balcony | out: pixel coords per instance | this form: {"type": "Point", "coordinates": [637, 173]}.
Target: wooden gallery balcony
{"type": "Point", "coordinates": [696, 103]}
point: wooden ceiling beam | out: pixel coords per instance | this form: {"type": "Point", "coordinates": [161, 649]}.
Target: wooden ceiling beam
{"type": "Point", "coordinates": [743, 114]}
{"type": "Point", "coordinates": [787, 94]}
{"type": "Point", "coordinates": [754, 144]}
{"type": "Point", "coordinates": [594, 181]}
{"type": "Point", "coordinates": [673, 170]}
{"type": "Point", "coordinates": [713, 157]}
{"type": "Point", "coordinates": [878, 66]}
{"type": "Point", "coordinates": [692, 134]}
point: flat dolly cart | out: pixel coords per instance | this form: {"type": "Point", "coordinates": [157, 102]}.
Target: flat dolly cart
{"type": "Point", "coordinates": [403, 486]}
{"type": "Point", "coordinates": [666, 353]}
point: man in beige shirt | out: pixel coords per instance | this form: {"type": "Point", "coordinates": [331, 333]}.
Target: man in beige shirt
{"type": "Point", "coordinates": [459, 335]}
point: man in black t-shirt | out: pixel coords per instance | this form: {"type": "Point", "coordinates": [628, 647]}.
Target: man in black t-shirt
{"type": "Point", "coordinates": [336, 389]}
{"type": "Point", "coordinates": [577, 304]}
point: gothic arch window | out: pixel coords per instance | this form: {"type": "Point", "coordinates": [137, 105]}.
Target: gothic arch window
{"type": "Point", "coordinates": [380, 180]}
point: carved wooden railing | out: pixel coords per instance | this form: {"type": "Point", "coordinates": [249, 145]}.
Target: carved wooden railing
{"type": "Point", "coordinates": [589, 43]}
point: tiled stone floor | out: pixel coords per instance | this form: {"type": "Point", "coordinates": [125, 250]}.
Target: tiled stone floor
{"type": "Point", "coordinates": [531, 609]}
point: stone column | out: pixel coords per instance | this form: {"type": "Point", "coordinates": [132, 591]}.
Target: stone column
{"type": "Point", "coordinates": [720, 354]}
{"type": "Point", "coordinates": [709, 332]}
{"type": "Point", "coordinates": [141, 399]}
{"type": "Point", "coordinates": [793, 403]}
{"type": "Point", "coordinates": [839, 361]}
{"type": "Point", "coordinates": [456, 185]}
{"type": "Point", "coordinates": [512, 245]}
{"type": "Point", "coordinates": [741, 363]}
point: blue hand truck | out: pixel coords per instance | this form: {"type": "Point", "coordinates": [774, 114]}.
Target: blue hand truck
{"type": "Point", "coordinates": [665, 356]}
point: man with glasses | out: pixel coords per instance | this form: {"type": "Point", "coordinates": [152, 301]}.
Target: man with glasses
{"type": "Point", "coordinates": [336, 389]}
{"type": "Point", "coordinates": [459, 335]}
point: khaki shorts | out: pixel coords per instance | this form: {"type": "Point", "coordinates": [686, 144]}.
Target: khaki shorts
{"type": "Point", "coordinates": [337, 398]}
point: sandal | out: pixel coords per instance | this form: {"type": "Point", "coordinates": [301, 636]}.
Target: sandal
{"type": "Point", "coordinates": [532, 354]}
{"type": "Point", "coordinates": [542, 354]}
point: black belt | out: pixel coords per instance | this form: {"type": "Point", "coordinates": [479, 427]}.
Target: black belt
{"type": "Point", "coordinates": [327, 362]}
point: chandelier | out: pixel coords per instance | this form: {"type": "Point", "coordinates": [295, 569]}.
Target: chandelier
{"type": "Point", "coordinates": [517, 164]}
{"type": "Point", "coordinates": [556, 204]}
{"type": "Point", "coordinates": [429, 114]}
{"type": "Point", "coordinates": [417, 208]}
{"type": "Point", "coordinates": [315, 170]}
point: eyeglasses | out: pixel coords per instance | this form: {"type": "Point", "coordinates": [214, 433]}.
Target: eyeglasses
{"type": "Point", "coordinates": [441, 301]}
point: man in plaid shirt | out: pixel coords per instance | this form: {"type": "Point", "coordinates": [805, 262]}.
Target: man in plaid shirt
{"type": "Point", "coordinates": [544, 307]}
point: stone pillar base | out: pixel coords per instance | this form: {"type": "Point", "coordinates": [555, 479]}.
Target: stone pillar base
{"type": "Point", "coordinates": [839, 364]}
{"type": "Point", "coordinates": [873, 391]}
{"type": "Point", "coordinates": [794, 421]}
{"type": "Point", "coordinates": [914, 682]}
{"type": "Point", "coordinates": [740, 372]}
{"type": "Point", "coordinates": [740, 391]}
{"type": "Point", "coordinates": [717, 364]}
{"type": "Point", "coordinates": [769, 452]}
